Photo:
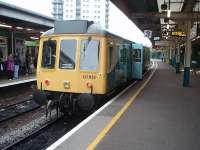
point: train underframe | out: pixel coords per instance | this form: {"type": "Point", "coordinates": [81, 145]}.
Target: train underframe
{"type": "Point", "coordinates": [67, 103]}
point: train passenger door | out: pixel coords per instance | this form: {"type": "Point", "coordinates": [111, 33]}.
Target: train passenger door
{"type": "Point", "coordinates": [137, 61]}
{"type": "Point", "coordinates": [124, 61]}
{"type": "Point", "coordinates": [129, 63]}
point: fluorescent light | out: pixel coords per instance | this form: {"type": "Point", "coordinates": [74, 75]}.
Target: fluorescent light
{"type": "Point", "coordinates": [20, 28]}
{"type": "Point", "coordinates": [34, 38]}
{"type": "Point", "coordinates": [168, 13]}
{"type": "Point", "coordinates": [167, 26]}
{"type": "Point", "coordinates": [28, 29]}
{"type": "Point", "coordinates": [167, 33]}
{"type": "Point", "coordinates": [6, 26]}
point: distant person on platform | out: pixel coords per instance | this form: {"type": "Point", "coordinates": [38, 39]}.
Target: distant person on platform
{"type": "Point", "coordinates": [10, 66]}
{"type": "Point", "coordinates": [16, 67]}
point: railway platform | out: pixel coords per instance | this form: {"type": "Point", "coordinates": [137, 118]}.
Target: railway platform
{"type": "Point", "coordinates": [21, 80]}
{"type": "Point", "coordinates": [159, 114]}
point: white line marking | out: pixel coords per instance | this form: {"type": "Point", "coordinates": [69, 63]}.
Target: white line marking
{"type": "Point", "coordinates": [17, 82]}
{"type": "Point", "coordinates": [71, 132]}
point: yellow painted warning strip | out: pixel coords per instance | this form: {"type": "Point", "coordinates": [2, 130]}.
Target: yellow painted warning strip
{"type": "Point", "coordinates": [114, 120]}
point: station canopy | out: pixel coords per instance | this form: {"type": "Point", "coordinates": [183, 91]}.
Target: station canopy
{"type": "Point", "coordinates": [20, 20]}
{"type": "Point", "coordinates": [162, 17]}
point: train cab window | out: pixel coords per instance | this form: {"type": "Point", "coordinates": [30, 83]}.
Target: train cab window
{"type": "Point", "coordinates": [67, 54]}
{"type": "Point", "coordinates": [89, 59]}
{"type": "Point", "coordinates": [137, 55]}
{"type": "Point", "coordinates": [49, 54]}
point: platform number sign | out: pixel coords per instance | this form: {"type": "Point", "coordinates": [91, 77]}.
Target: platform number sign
{"type": "Point", "coordinates": [148, 33]}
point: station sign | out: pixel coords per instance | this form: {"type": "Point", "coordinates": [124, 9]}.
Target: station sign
{"type": "Point", "coordinates": [178, 33]}
{"type": "Point", "coordinates": [156, 38]}
{"type": "Point", "coordinates": [162, 43]}
{"type": "Point", "coordinates": [148, 33]}
{"type": "Point", "coordinates": [31, 43]}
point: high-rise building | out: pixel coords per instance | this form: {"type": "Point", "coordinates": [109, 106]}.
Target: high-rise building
{"type": "Point", "coordinates": [92, 10]}
{"type": "Point", "coordinates": [57, 9]}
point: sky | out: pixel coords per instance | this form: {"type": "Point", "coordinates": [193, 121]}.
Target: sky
{"type": "Point", "coordinates": [116, 19]}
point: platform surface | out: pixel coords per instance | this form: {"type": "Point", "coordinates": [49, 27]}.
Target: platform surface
{"type": "Point", "coordinates": [21, 80]}
{"type": "Point", "coordinates": [164, 116]}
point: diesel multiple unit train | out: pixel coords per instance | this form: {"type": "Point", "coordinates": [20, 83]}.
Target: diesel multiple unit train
{"type": "Point", "coordinates": [78, 62]}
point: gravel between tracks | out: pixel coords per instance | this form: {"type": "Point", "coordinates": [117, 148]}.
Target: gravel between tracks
{"type": "Point", "coordinates": [16, 129]}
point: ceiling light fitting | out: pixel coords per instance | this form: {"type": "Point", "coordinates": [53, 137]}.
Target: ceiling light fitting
{"type": "Point", "coordinates": [5, 26]}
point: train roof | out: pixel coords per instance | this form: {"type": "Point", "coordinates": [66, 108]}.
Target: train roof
{"type": "Point", "coordinates": [78, 27]}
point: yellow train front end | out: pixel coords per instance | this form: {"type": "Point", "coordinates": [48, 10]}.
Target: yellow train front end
{"type": "Point", "coordinates": [72, 64]}
{"type": "Point", "coordinates": [72, 70]}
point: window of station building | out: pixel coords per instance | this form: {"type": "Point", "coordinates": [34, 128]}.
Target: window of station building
{"type": "Point", "coordinates": [49, 54]}
{"type": "Point", "coordinates": [89, 59]}
{"type": "Point", "coordinates": [67, 54]}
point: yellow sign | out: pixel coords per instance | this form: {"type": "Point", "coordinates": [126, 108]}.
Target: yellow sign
{"type": "Point", "coordinates": [181, 34]}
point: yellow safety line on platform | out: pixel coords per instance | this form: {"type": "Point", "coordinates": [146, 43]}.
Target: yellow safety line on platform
{"type": "Point", "coordinates": [114, 120]}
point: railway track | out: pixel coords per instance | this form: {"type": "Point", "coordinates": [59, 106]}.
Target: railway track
{"type": "Point", "coordinates": [32, 134]}
{"type": "Point", "coordinates": [14, 110]}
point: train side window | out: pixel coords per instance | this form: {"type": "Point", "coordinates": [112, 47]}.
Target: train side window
{"type": "Point", "coordinates": [67, 54]}
{"type": "Point", "coordinates": [49, 54]}
{"type": "Point", "coordinates": [89, 59]}
{"type": "Point", "coordinates": [123, 54]}
{"type": "Point", "coordinates": [137, 55]}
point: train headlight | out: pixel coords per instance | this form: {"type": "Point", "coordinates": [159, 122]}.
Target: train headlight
{"type": "Point", "coordinates": [66, 84]}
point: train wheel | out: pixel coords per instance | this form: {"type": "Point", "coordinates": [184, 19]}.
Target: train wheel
{"type": "Point", "coordinates": [85, 102]}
